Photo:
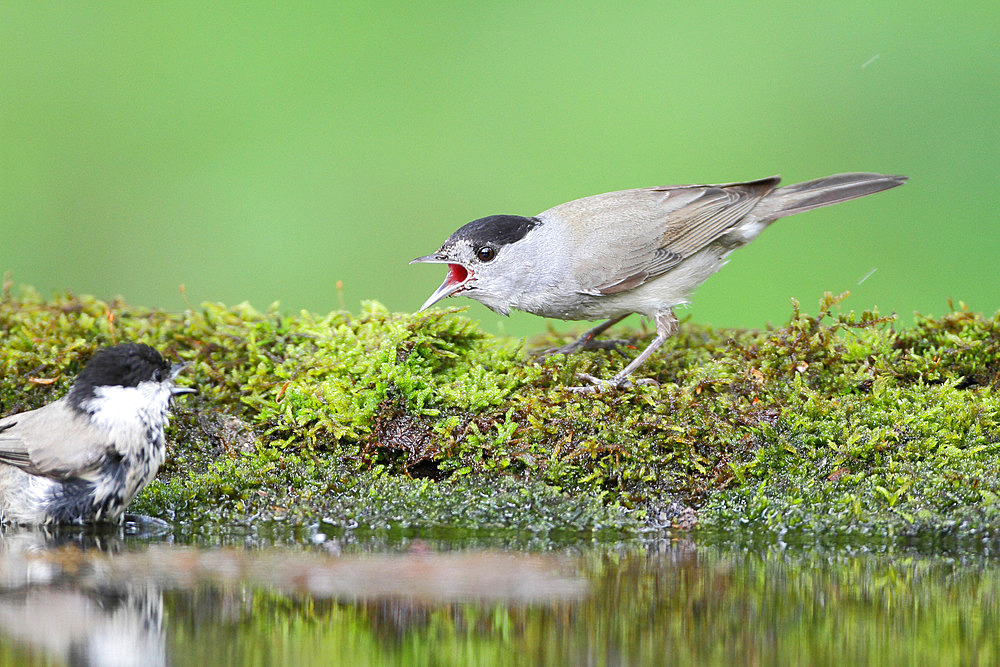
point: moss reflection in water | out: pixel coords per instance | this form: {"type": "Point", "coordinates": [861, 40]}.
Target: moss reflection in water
{"type": "Point", "coordinates": [668, 602]}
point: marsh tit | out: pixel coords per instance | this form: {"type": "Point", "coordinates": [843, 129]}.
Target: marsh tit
{"type": "Point", "coordinates": [83, 457]}
{"type": "Point", "coordinates": [633, 251]}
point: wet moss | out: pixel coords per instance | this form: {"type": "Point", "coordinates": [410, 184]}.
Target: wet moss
{"type": "Point", "coordinates": [839, 421]}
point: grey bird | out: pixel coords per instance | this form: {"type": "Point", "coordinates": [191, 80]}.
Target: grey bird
{"type": "Point", "coordinates": [83, 457]}
{"type": "Point", "coordinates": [633, 251]}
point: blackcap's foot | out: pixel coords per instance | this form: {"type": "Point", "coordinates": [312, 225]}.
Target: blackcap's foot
{"type": "Point", "coordinates": [614, 384]}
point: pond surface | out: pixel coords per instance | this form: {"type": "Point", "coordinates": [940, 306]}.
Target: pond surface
{"type": "Point", "coordinates": [158, 595]}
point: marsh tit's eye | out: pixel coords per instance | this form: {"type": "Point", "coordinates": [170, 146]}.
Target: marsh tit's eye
{"type": "Point", "coordinates": [485, 253]}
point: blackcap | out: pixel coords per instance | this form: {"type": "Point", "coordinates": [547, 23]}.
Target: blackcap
{"type": "Point", "coordinates": [633, 251]}
{"type": "Point", "coordinates": [83, 457]}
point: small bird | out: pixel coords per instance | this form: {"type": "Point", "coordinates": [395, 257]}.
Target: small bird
{"type": "Point", "coordinates": [633, 251]}
{"type": "Point", "coordinates": [83, 457]}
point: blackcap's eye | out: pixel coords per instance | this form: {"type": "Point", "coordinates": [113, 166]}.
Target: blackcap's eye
{"type": "Point", "coordinates": [485, 253]}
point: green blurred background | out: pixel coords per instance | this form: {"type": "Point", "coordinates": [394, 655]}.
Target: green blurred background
{"type": "Point", "coordinates": [263, 152]}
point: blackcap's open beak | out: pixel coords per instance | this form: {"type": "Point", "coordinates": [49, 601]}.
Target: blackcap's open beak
{"type": "Point", "coordinates": [457, 277]}
{"type": "Point", "coordinates": [175, 369]}
{"type": "Point", "coordinates": [436, 258]}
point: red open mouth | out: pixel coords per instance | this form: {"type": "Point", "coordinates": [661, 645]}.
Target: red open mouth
{"type": "Point", "coordinates": [457, 280]}
{"type": "Point", "coordinates": [457, 274]}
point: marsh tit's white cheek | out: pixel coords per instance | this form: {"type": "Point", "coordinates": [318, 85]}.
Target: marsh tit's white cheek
{"type": "Point", "coordinates": [128, 412]}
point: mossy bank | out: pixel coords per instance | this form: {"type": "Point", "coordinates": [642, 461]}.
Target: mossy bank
{"type": "Point", "coordinates": [833, 423]}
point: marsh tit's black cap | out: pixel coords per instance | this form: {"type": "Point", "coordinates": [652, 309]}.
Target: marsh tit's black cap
{"type": "Point", "coordinates": [126, 365]}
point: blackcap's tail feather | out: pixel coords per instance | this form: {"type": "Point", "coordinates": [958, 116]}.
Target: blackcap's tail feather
{"type": "Point", "coordinates": [806, 196]}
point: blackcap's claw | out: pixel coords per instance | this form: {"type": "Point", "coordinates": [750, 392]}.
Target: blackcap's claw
{"type": "Point", "coordinates": [596, 385]}
{"type": "Point", "coordinates": [599, 385]}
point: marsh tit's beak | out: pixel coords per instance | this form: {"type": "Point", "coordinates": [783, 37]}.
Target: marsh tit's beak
{"type": "Point", "coordinates": [175, 369]}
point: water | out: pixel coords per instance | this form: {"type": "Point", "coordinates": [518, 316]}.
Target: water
{"type": "Point", "coordinates": [156, 595]}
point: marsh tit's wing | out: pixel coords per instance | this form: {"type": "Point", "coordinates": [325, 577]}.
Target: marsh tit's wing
{"type": "Point", "coordinates": [53, 441]}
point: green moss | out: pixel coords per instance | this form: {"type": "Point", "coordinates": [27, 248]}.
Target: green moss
{"type": "Point", "coordinates": [834, 422]}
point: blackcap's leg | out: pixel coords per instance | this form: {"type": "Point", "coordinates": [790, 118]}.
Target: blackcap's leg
{"type": "Point", "coordinates": [666, 326]}
{"type": "Point", "coordinates": [587, 342]}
